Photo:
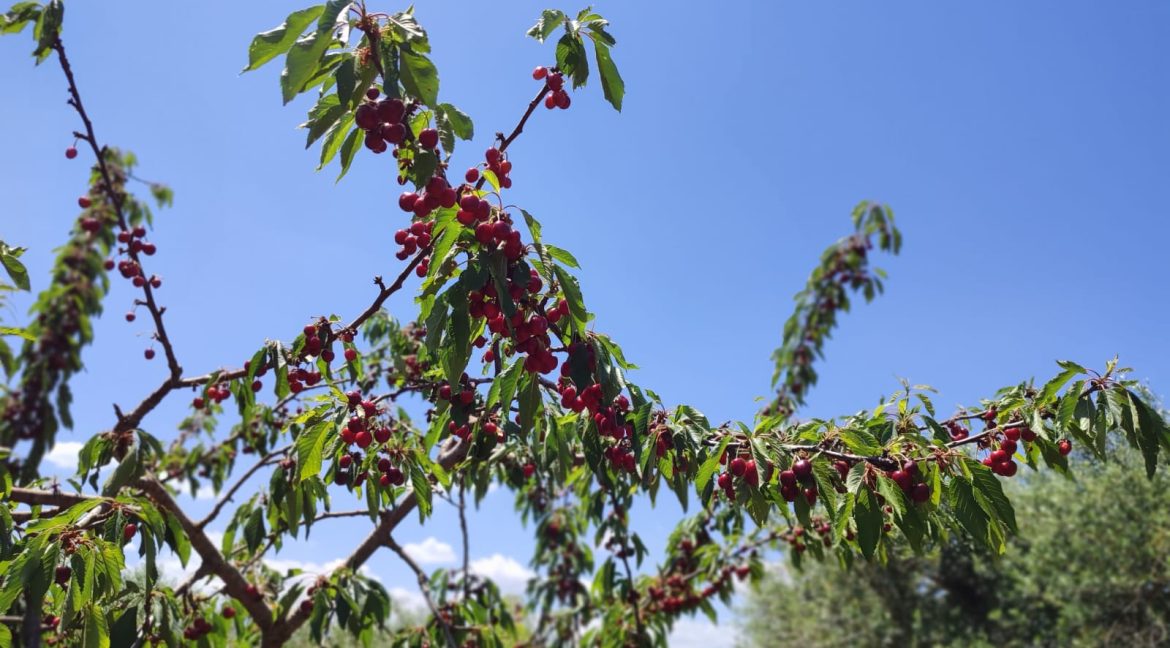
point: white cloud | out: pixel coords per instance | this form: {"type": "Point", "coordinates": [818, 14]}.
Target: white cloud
{"type": "Point", "coordinates": [510, 575]}
{"type": "Point", "coordinates": [282, 565]}
{"type": "Point", "coordinates": [431, 551]}
{"type": "Point", "coordinates": [64, 454]}
{"type": "Point", "coordinates": [693, 633]}
{"type": "Point", "coordinates": [411, 599]}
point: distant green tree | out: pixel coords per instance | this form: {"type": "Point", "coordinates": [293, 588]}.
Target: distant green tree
{"type": "Point", "coordinates": [1091, 567]}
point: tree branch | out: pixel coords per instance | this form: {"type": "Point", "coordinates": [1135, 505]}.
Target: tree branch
{"type": "Point", "coordinates": [422, 586]}
{"type": "Point", "coordinates": [234, 583]}
{"type": "Point", "coordinates": [116, 201]}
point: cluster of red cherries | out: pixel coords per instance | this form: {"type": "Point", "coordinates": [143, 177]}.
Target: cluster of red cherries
{"type": "Point", "coordinates": [363, 429]}
{"type": "Point", "coordinates": [200, 627]}
{"type": "Point", "coordinates": [675, 592]}
{"type": "Point", "coordinates": [909, 479]}
{"type": "Point", "coordinates": [385, 123]}
{"type": "Point", "coordinates": [557, 96]}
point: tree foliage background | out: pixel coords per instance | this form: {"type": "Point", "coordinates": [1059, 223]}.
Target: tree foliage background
{"type": "Point", "coordinates": [1090, 567]}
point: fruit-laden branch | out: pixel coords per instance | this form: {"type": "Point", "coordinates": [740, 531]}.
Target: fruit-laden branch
{"type": "Point", "coordinates": [156, 313]}
{"type": "Point", "coordinates": [454, 452]}
{"type": "Point", "coordinates": [213, 561]}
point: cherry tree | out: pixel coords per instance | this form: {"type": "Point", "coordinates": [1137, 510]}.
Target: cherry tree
{"type": "Point", "coordinates": [521, 390]}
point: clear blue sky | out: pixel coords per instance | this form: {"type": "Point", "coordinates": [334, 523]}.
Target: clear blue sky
{"type": "Point", "coordinates": [1023, 147]}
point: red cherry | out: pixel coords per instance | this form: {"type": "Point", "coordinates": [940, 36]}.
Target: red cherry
{"type": "Point", "coordinates": [750, 474]}
{"type": "Point", "coordinates": [802, 468]}
{"type": "Point", "coordinates": [63, 575]}
{"type": "Point", "coordinates": [1008, 446]}
{"type": "Point", "coordinates": [920, 493]}
{"type": "Point", "coordinates": [392, 133]}
{"type": "Point", "coordinates": [382, 435]}
{"type": "Point", "coordinates": [350, 354]}
{"type": "Point", "coordinates": [1012, 433]}
{"type": "Point", "coordinates": [363, 439]}
{"type": "Point", "coordinates": [902, 478]}
{"type": "Point", "coordinates": [84, 202]}
{"type": "Point", "coordinates": [198, 403]}
{"type": "Point", "coordinates": [428, 138]}
{"type": "Point", "coordinates": [70, 153]}
{"type": "Point", "coordinates": [149, 354]}
{"type": "Point", "coordinates": [810, 494]}
{"type": "Point", "coordinates": [366, 117]}
{"type": "Point", "coordinates": [228, 612]}
{"type": "Point", "coordinates": [406, 203]}
{"type": "Point", "coordinates": [550, 100]}
{"type": "Point", "coordinates": [787, 478]}
{"type": "Point", "coordinates": [1065, 447]}
{"type": "Point", "coordinates": [372, 94]}
{"type": "Point", "coordinates": [252, 591]}
{"type": "Point", "coordinates": [128, 531]}
{"type": "Point", "coordinates": [472, 175]}
{"type": "Point", "coordinates": [738, 466]}
{"type": "Point", "coordinates": [724, 480]}
{"type": "Point", "coordinates": [539, 73]}
{"type": "Point", "coordinates": [345, 462]}
{"type": "Point", "coordinates": [390, 110]}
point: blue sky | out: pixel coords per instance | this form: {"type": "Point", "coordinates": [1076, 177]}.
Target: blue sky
{"type": "Point", "coordinates": [1020, 145]}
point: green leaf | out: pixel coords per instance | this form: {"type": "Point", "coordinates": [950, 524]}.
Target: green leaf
{"type": "Point", "coordinates": [422, 490]}
{"type": "Point", "coordinates": [178, 539]}
{"type": "Point", "coordinates": [504, 386]}
{"type": "Point", "coordinates": [96, 633]}
{"type": "Point", "coordinates": [333, 140]}
{"type": "Point", "coordinates": [15, 269]}
{"type": "Point", "coordinates": [456, 350]}
{"type": "Point", "coordinates": [548, 22]}
{"type": "Point", "coordinates": [419, 76]}
{"type": "Point", "coordinates": [1050, 389]}
{"type": "Point", "coordinates": [572, 291]}
{"type": "Point", "coordinates": [611, 81]}
{"type": "Point", "coordinates": [967, 511]}
{"type": "Point", "coordinates": [349, 150]}
{"type": "Point", "coordinates": [867, 515]}
{"type": "Point", "coordinates": [310, 446]}
{"type": "Point", "coordinates": [125, 629]}
{"type": "Point", "coordinates": [254, 529]}
{"type": "Point", "coordinates": [302, 63]}
{"type": "Point", "coordinates": [460, 123]}
{"type": "Point", "coordinates": [710, 466]}
{"type": "Point", "coordinates": [572, 59]}
{"type": "Point", "coordinates": [989, 494]}
{"type": "Point", "coordinates": [47, 29]}
{"type": "Point", "coordinates": [327, 111]}
{"type": "Point", "coordinates": [14, 22]}
{"type": "Point", "coordinates": [1150, 430]}
{"type": "Point", "coordinates": [529, 400]}
{"type": "Point", "coordinates": [562, 255]}
{"type": "Point", "coordinates": [861, 442]}
{"type": "Point", "coordinates": [274, 42]}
